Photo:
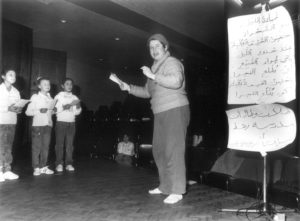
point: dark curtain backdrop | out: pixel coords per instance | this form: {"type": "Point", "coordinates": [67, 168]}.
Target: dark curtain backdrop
{"type": "Point", "coordinates": [290, 179]}
{"type": "Point", "coordinates": [17, 55]}
{"type": "Point", "coordinates": [50, 64]}
{"type": "Point", "coordinates": [1, 48]}
{"type": "Point", "coordinates": [297, 37]}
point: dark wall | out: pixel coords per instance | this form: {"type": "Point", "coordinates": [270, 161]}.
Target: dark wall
{"type": "Point", "coordinates": [50, 64]}
{"type": "Point", "coordinates": [206, 85]}
{"type": "Point", "coordinates": [297, 37]}
{"type": "Point", "coordinates": [17, 53]}
{"type": "Point", "coordinates": [1, 48]}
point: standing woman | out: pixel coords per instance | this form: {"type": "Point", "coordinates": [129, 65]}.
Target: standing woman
{"type": "Point", "coordinates": [166, 88]}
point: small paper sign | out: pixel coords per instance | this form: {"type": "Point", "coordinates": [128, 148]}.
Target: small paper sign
{"type": "Point", "coordinates": [261, 128]}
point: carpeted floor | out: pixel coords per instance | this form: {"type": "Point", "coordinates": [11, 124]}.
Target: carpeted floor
{"type": "Point", "coordinates": [102, 190]}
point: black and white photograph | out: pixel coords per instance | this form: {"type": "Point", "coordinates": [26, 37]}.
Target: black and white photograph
{"type": "Point", "coordinates": [149, 110]}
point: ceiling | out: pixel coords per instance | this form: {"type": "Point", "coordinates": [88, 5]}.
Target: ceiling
{"type": "Point", "coordinates": [92, 26]}
{"type": "Point", "coordinates": [195, 28]}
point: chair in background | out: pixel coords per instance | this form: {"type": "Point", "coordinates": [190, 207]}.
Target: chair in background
{"type": "Point", "coordinates": [144, 155]}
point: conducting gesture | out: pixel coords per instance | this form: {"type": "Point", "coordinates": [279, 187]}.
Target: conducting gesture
{"type": "Point", "coordinates": [148, 73]}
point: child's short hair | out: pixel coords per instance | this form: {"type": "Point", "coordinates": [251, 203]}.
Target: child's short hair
{"type": "Point", "coordinates": [5, 71]}
{"type": "Point", "coordinates": [40, 79]}
{"type": "Point", "coordinates": [67, 79]}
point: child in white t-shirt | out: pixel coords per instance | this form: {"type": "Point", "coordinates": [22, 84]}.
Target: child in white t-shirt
{"type": "Point", "coordinates": [9, 95]}
{"type": "Point", "coordinates": [68, 107]}
{"type": "Point", "coordinates": [41, 108]}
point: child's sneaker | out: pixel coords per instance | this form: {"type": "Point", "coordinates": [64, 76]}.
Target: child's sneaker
{"type": "Point", "coordinates": [36, 172]}
{"type": "Point", "coordinates": [70, 168]}
{"type": "Point", "coordinates": [2, 179]}
{"type": "Point", "coordinates": [59, 168]}
{"type": "Point", "coordinates": [155, 191]}
{"type": "Point", "coordinates": [46, 170]}
{"type": "Point", "coordinates": [8, 175]}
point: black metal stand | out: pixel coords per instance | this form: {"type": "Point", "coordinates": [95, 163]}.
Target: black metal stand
{"type": "Point", "coordinates": [264, 204]}
{"type": "Point", "coordinates": [263, 209]}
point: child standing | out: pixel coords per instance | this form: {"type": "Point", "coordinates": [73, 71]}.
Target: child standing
{"type": "Point", "coordinates": [9, 95]}
{"type": "Point", "coordinates": [39, 108]}
{"type": "Point", "coordinates": [68, 106]}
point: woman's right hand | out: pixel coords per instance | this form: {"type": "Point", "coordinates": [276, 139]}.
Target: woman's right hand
{"type": "Point", "coordinates": [124, 87]}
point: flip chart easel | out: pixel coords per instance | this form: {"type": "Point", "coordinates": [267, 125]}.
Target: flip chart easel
{"type": "Point", "coordinates": [261, 71]}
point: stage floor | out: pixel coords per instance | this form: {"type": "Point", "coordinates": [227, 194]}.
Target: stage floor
{"type": "Point", "coordinates": [100, 189]}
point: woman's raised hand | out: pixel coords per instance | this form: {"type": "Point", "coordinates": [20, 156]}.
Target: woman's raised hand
{"type": "Point", "coordinates": [124, 87]}
{"type": "Point", "coordinates": [147, 71]}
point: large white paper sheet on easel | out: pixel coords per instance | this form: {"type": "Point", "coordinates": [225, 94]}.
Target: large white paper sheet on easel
{"type": "Point", "coordinates": [261, 128]}
{"type": "Point", "coordinates": [261, 58]}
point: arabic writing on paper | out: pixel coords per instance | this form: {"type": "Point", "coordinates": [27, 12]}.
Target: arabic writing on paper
{"type": "Point", "coordinates": [261, 128]}
{"type": "Point", "coordinates": [261, 58]}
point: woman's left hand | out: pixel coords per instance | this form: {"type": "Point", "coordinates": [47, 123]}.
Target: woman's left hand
{"type": "Point", "coordinates": [148, 72]}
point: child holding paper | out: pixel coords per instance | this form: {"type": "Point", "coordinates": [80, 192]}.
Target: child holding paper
{"type": "Point", "coordinates": [41, 109]}
{"type": "Point", "coordinates": [9, 95]}
{"type": "Point", "coordinates": [68, 106]}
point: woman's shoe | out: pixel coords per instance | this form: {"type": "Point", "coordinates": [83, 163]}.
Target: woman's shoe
{"type": "Point", "coordinates": [173, 198]}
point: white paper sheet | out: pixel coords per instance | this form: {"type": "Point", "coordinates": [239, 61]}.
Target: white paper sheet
{"type": "Point", "coordinates": [115, 79]}
{"type": "Point", "coordinates": [75, 102]}
{"type": "Point", "coordinates": [52, 104]}
{"type": "Point", "coordinates": [21, 103]}
{"type": "Point", "coordinates": [261, 58]}
{"type": "Point", "coordinates": [261, 128]}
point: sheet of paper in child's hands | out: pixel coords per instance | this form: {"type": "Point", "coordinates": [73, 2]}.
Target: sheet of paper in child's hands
{"type": "Point", "coordinates": [21, 103]}
{"type": "Point", "coordinates": [75, 102]}
{"type": "Point", "coordinates": [52, 104]}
